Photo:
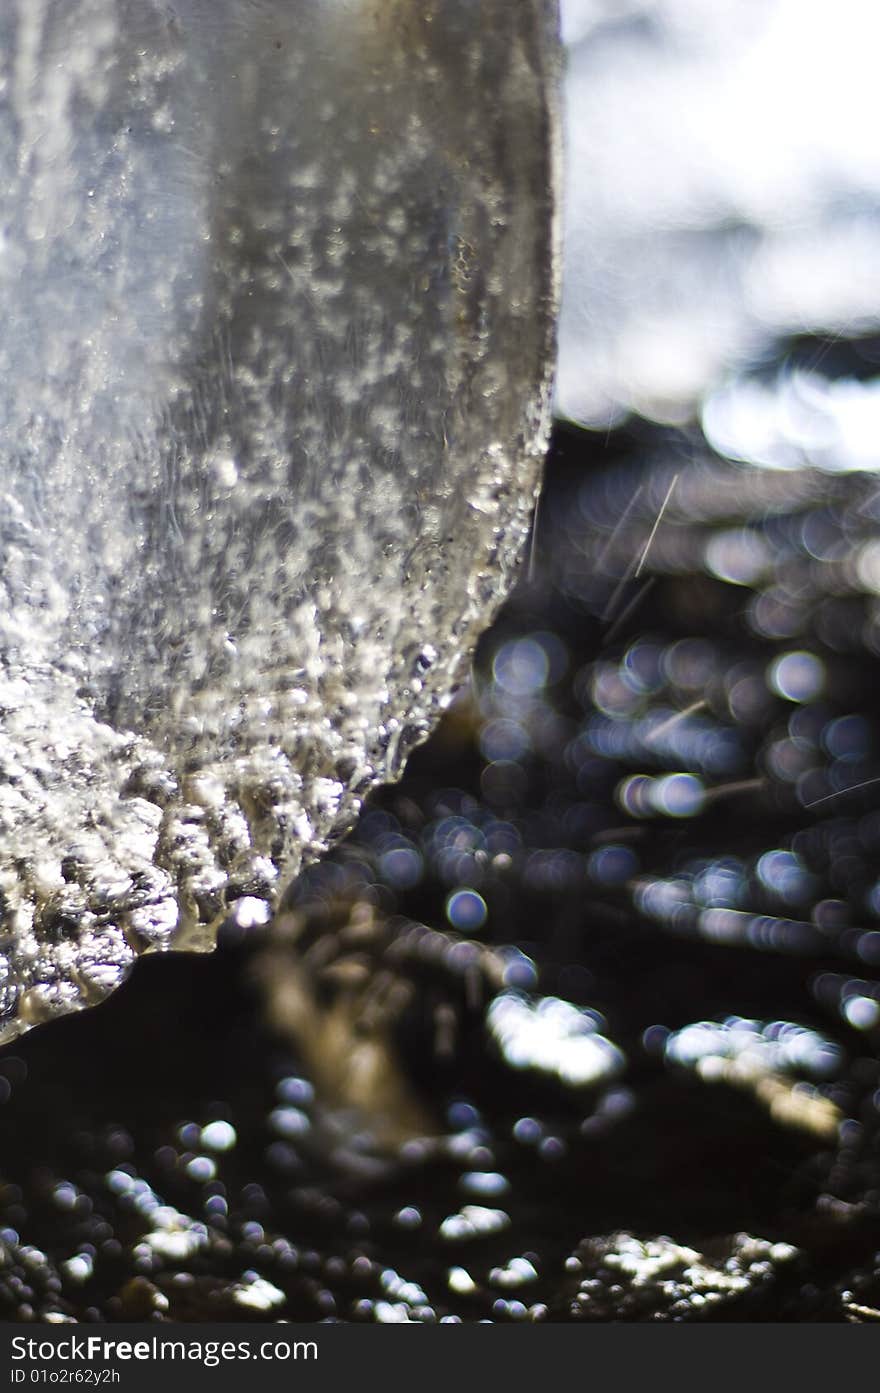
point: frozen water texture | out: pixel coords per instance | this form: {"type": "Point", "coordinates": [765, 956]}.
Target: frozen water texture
{"type": "Point", "coordinates": [278, 295]}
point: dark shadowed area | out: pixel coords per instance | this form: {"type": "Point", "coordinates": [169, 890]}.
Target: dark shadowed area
{"type": "Point", "coordinates": [581, 1022]}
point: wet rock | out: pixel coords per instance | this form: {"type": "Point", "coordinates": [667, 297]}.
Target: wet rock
{"type": "Point", "coordinates": [628, 1278]}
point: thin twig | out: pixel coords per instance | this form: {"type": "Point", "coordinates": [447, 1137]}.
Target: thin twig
{"type": "Point", "coordinates": [842, 792]}
{"type": "Point", "coordinates": [631, 503]}
{"type": "Point", "coordinates": [657, 521]}
{"type": "Point", "coordinates": [659, 731]}
{"type": "Point", "coordinates": [530, 573]}
{"type": "Point", "coordinates": [628, 609]}
{"type": "Point", "coordinates": [739, 786]}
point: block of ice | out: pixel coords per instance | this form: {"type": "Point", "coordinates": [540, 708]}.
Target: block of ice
{"type": "Point", "coordinates": [278, 291]}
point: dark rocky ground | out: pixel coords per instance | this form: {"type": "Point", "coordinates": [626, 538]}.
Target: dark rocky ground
{"type": "Point", "coordinates": [411, 1133]}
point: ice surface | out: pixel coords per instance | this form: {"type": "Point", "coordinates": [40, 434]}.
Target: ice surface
{"type": "Point", "coordinates": [278, 290]}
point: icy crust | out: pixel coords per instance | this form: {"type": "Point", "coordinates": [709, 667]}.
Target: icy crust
{"type": "Point", "coordinates": [274, 381]}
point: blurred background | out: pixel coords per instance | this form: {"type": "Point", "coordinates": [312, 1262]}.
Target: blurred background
{"type": "Point", "coordinates": [581, 1022]}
